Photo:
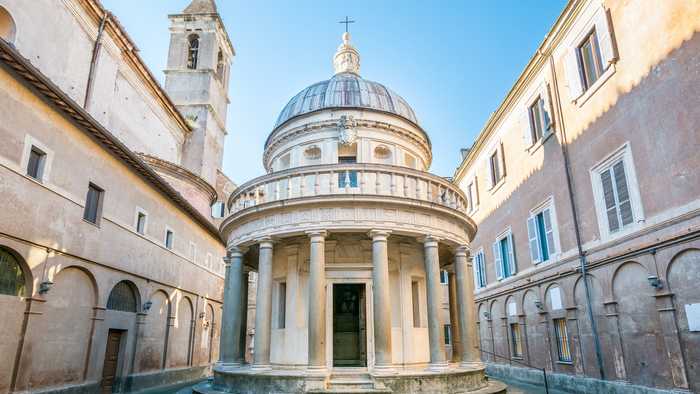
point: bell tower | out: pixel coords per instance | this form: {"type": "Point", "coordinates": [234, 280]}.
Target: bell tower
{"type": "Point", "coordinates": [196, 79]}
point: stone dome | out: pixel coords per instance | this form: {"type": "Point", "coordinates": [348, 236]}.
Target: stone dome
{"type": "Point", "coordinates": [346, 90]}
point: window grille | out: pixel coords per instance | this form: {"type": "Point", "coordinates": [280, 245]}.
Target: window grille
{"type": "Point", "coordinates": [122, 298]}
{"type": "Point", "coordinates": [12, 280]}
{"type": "Point", "coordinates": [562, 340]}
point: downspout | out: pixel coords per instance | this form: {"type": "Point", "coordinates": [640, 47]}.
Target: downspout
{"type": "Point", "coordinates": [577, 230]}
{"type": "Point", "coordinates": [93, 62]}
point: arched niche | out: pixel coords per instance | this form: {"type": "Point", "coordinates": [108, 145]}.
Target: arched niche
{"type": "Point", "coordinates": [124, 297]}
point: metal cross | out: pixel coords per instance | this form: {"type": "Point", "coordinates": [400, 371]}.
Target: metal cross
{"type": "Point", "coordinates": [347, 21]}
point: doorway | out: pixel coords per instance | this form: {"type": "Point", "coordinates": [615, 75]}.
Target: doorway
{"type": "Point", "coordinates": [111, 364]}
{"type": "Point", "coordinates": [349, 325]}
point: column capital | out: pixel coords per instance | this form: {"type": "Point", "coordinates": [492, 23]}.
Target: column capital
{"type": "Point", "coordinates": [379, 235]}
{"type": "Point", "coordinates": [462, 251]}
{"type": "Point", "coordinates": [317, 235]}
{"type": "Point", "coordinates": [429, 241]}
{"type": "Point", "coordinates": [235, 251]}
{"type": "Point", "coordinates": [265, 242]}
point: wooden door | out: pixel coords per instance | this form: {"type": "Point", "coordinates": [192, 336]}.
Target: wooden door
{"type": "Point", "coordinates": [109, 369]}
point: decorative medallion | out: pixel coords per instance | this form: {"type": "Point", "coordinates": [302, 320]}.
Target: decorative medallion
{"type": "Point", "coordinates": [347, 135]}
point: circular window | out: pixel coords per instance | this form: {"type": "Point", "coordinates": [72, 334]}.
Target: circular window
{"type": "Point", "coordinates": [312, 153]}
{"type": "Point", "coordinates": [382, 152]}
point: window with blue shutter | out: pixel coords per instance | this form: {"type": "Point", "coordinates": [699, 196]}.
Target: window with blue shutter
{"type": "Point", "coordinates": [540, 232]}
{"type": "Point", "coordinates": [479, 270]}
{"type": "Point", "coordinates": [504, 257]}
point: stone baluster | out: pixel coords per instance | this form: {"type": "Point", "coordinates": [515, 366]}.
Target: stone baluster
{"type": "Point", "coordinates": [317, 301]}
{"type": "Point", "coordinates": [263, 305]}
{"type": "Point", "coordinates": [436, 338]}
{"type": "Point", "coordinates": [381, 300]}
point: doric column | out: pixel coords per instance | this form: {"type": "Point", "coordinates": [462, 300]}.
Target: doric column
{"type": "Point", "coordinates": [456, 340]}
{"type": "Point", "coordinates": [243, 338]}
{"type": "Point", "coordinates": [263, 306]}
{"type": "Point", "coordinates": [231, 314]}
{"type": "Point", "coordinates": [432, 274]}
{"type": "Point", "coordinates": [380, 300]}
{"type": "Point", "coordinates": [317, 300]}
{"type": "Point", "coordinates": [466, 307]}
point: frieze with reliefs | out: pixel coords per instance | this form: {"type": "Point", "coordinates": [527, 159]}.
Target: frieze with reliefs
{"type": "Point", "coordinates": [404, 221]}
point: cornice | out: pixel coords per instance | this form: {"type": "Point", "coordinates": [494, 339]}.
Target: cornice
{"type": "Point", "coordinates": [280, 136]}
{"type": "Point", "coordinates": [181, 173]}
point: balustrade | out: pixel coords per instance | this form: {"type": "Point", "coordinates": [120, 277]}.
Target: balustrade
{"type": "Point", "coordinates": [348, 179]}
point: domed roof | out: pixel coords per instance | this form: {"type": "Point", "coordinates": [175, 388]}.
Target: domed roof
{"type": "Point", "coordinates": [346, 90]}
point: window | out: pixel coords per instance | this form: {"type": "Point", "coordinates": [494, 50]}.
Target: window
{"type": "Point", "coordinates": [192, 51]}
{"type": "Point", "coordinates": [169, 239]}
{"type": "Point", "coordinates": [472, 195]}
{"type": "Point", "coordinates": [504, 256]}
{"type": "Point", "coordinates": [35, 165]}
{"type": "Point", "coordinates": [448, 334]}
{"type": "Point", "coordinates": [281, 305]}
{"type": "Point", "coordinates": [590, 60]}
{"type": "Point", "coordinates": [539, 119]}
{"type": "Point", "coordinates": [347, 178]}
{"type": "Point", "coordinates": [12, 280]}
{"type": "Point", "coordinates": [218, 210]}
{"type": "Point", "coordinates": [415, 299]}
{"type": "Point", "coordinates": [141, 222]}
{"type": "Point", "coordinates": [93, 204]}
{"type": "Point", "coordinates": [540, 232]}
{"type": "Point", "coordinates": [618, 207]}
{"type": "Point", "coordinates": [479, 270]}
{"type": "Point", "coordinates": [220, 66]}
{"type": "Point", "coordinates": [562, 340]}
{"type": "Point", "coordinates": [516, 341]}
{"type": "Point", "coordinates": [444, 277]}
{"type": "Point", "coordinates": [497, 168]}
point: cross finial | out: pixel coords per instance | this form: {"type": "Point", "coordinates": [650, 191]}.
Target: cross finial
{"type": "Point", "coordinates": [347, 22]}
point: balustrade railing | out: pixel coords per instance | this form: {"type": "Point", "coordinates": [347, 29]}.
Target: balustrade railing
{"type": "Point", "coordinates": [347, 179]}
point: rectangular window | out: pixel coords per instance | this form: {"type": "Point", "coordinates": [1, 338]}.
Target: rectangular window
{"type": "Point", "coordinates": [141, 222]}
{"type": "Point", "coordinates": [590, 63]}
{"type": "Point", "coordinates": [35, 165]}
{"type": "Point", "coordinates": [347, 178]}
{"type": "Point", "coordinates": [448, 334]}
{"type": "Point", "coordinates": [540, 232]}
{"type": "Point", "coordinates": [563, 349]}
{"type": "Point", "coordinates": [415, 298]}
{"type": "Point", "coordinates": [479, 270]}
{"type": "Point", "coordinates": [168, 239]}
{"type": "Point", "coordinates": [504, 257]}
{"type": "Point", "coordinates": [516, 340]}
{"type": "Point", "coordinates": [444, 275]}
{"type": "Point", "coordinates": [93, 204]}
{"type": "Point", "coordinates": [618, 207]}
{"type": "Point", "coordinates": [494, 162]}
{"type": "Point", "coordinates": [470, 196]}
{"type": "Point", "coordinates": [282, 305]}
{"type": "Point", "coordinates": [538, 119]}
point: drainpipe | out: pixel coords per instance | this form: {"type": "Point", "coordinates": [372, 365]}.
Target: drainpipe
{"type": "Point", "coordinates": [95, 55]}
{"type": "Point", "coordinates": [577, 230]}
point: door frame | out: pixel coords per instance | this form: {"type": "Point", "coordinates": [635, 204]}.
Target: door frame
{"type": "Point", "coordinates": [369, 315]}
{"type": "Point", "coordinates": [121, 359]}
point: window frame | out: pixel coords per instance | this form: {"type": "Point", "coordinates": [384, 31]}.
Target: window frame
{"type": "Point", "coordinates": [506, 235]}
{"type": "Point", "coordinates": [623, 153]}
{"type": "Point", "coordinates": [599, 69]}
{"type": "Point", "coordinates": [447, 333]}
{"type": "Point", "coordinates": [480, 269]}
{"type": "Point", "coordinates": [98, 207]}
{"type": "Point", "coordinates": [31, 143]}
{"type": "Point", "coordinates": [192, 60]}
{"type": "Point", "coordinates": [169, 242]}
{"type": "Point", "coordinates": [444, 277]}
{"type": "Point", "coordinates": [415, 303]}
{"type": "Point", "coordinates": [138, 214]}
{"type": "Point", "coordinates": [554, 250]}
{"type": "Point", "coordinates": [538, 122]}
{"type": "Point", "coordinates": [281, 305]}
{"type": "Point", "coordinates": [516, 340]}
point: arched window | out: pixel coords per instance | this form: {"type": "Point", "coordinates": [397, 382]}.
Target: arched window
{"type": "Point", "coordinates": [7, 26]}
{"type": "Point", "coordinates": [123, 298]}
{"type": "Point", "coordinates": [192, 51]}
{"type": "Point", "coordinates": [12, 280]}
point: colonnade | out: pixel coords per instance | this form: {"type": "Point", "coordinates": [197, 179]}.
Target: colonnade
{"type": "Point", "coordinates": [461, 300]}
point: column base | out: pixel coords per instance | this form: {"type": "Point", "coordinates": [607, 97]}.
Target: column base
{"type": "Point", "coordinates": [384, 369]}
{"type": "Point", "coordinates": [228, 364]}
{"type": "Point", "coordinates": [316, 370]}
{"type": "Point", "coordinates": [471, 365]}
{"type": "Point", "coordinates": [438, 367]}
{"type": "Point", "coordinates": [261, 367]}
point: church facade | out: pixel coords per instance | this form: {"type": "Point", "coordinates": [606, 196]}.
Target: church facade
{"type": "Point", "coordinates": [348, 234]}
{"type": "Point", "coordinates": [592, 160]}
{"type": "Point", "coordinates": [111, 271]}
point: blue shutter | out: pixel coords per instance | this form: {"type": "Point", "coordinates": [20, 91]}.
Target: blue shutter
{"type": "Point", "coordinates": [497, 260]}
{"type": "Point", "coordinates": [534, 242]}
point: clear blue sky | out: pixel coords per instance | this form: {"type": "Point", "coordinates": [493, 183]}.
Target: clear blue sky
{"type": "Point", "coordinates": [453, 62]}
